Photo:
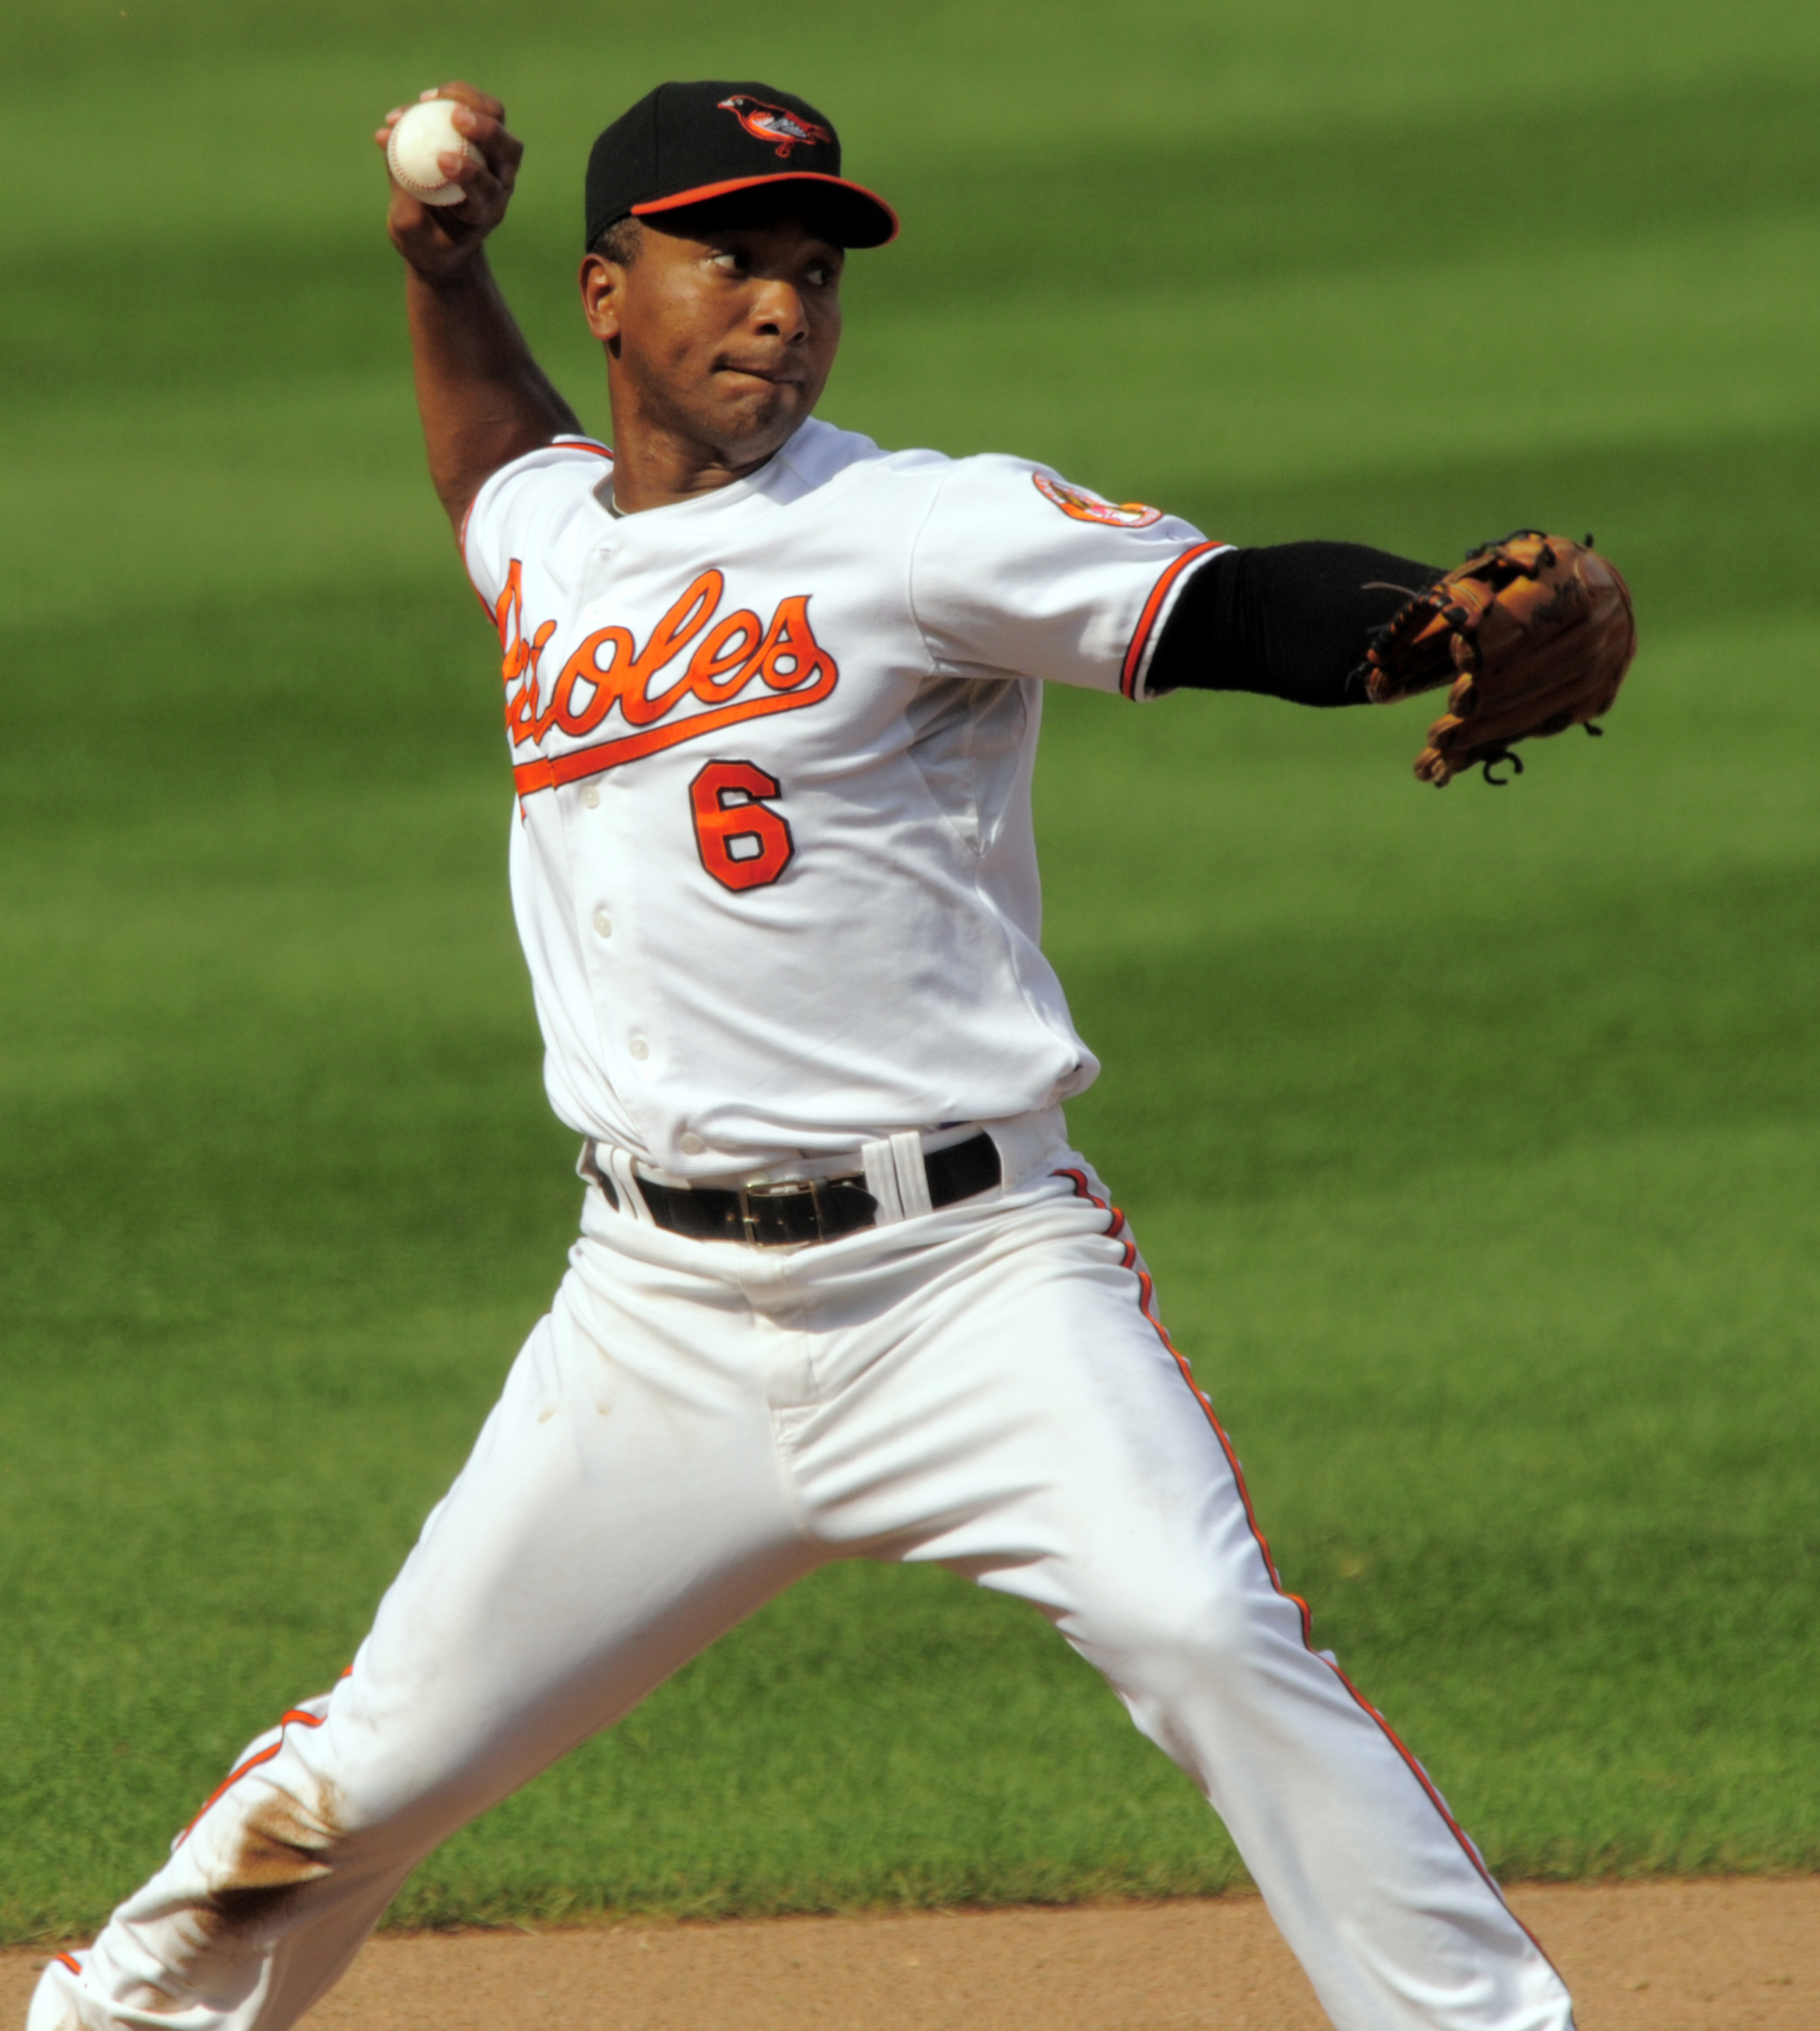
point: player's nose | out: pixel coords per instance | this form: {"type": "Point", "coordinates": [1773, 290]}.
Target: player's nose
{"type": "Point", "coordinates": [779, 311]}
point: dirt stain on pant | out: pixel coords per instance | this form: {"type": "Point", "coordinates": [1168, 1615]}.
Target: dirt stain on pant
{"type": "Point", "coordinates": [285, 1844]}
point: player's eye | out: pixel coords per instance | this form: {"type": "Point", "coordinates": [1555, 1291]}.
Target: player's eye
{"type": "Point", "coordinates": [731, 261]}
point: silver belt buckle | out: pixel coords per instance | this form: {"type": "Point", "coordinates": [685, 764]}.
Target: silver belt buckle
{"type": "Point", "coordinates": [785, 1188]}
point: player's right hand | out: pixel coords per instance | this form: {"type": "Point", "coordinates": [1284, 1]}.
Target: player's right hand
{"type": "Point", "coordinates": [437, 239]}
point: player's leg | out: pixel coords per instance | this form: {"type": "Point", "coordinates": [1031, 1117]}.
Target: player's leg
{"type": "Point", "coordinates": [622, 1506]}
{"type": "Point", "coordinates": [1022, 1419]}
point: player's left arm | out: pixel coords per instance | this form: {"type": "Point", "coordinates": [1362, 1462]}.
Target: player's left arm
{"type": "Point", "coordinates": [1293, 620]}
{"type": "Point", "coordinates": [1014, 568]}
{"type": "Point", "coordinates": [1533, 633]}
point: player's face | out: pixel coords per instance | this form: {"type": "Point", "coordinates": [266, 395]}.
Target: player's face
{"type": "Point", "coordinates": [722, 335]}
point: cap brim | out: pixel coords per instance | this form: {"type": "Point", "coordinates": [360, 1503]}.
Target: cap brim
{"type": "Point", "coordinates": [862, 217]}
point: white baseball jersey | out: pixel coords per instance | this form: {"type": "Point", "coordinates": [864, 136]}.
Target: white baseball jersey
{"type": "Point", "coordinates": [772, 861]}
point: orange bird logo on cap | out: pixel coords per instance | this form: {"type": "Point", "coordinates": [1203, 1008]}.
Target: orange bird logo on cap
{"type": "Point", "coordinates": [776, 124]}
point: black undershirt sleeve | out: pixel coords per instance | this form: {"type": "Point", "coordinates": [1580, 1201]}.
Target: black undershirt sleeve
{"type": "Point", "coordinates": [1293, 621]}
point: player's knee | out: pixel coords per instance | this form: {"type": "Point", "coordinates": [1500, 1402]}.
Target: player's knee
{"type": "Point", "coordinates": [1165, 1643]}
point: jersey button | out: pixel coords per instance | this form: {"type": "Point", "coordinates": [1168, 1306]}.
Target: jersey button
{"type": "Point", "coordinates": [591, 797]}
{"type": "Point", "coordinates": [639, 1049]}
{"type": "Point", "coordinates": [690, 1143]}
{"type": "Point", "coordinates": [603, 923]}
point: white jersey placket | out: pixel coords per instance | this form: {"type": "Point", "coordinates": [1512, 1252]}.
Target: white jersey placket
{"type": "Point", "coordinates": [599, 838]}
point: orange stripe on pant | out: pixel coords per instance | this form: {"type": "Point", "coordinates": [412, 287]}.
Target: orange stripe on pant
{"type": "Point", "coordinates": [1118, 1232]}
{"type": "Point", "coordinates": [296, 1714]}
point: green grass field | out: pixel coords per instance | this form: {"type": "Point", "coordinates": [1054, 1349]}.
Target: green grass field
{"type": "Point", "coordinates": [1473, 1137]}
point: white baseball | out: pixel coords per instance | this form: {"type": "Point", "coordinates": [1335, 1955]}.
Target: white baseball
{"type": "Point", "coordinates": [425, 131]}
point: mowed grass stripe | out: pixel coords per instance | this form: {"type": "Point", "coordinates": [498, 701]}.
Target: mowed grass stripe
{"type": "Point", "coordinates": [1201, 203]}
{"type": "Point", "coordinates": [1230, 386]}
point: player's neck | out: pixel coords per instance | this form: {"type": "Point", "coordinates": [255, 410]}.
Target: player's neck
{"type": "Point", "coordinates": [656, 466]}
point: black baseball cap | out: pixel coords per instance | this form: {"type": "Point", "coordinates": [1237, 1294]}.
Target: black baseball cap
{"type": "Point", "coordinates": [684, 143]}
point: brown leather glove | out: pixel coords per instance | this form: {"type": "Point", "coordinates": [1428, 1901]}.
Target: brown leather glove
{"type": "Point", "coordinates": [1535, 634]}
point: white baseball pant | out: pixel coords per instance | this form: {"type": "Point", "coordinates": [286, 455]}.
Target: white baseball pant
{"type": "Point", "coordinates": [694, 1426]}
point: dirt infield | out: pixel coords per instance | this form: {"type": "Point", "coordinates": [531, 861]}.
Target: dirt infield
{"type": "Point", "coordinates": [1736, 1955]}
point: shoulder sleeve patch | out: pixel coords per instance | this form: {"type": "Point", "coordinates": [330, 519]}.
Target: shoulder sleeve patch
{"type": "Point", "coordinates": [1082, 506]}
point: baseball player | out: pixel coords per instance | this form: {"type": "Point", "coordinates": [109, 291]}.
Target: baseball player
{"type": "Point", "coordinates": [843, 1287]}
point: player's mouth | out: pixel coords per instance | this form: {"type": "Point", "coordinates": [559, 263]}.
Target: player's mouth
{"type": "Point", "coordinates": [776, 377]}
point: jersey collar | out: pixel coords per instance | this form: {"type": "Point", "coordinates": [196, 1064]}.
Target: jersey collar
{"type": "Point", "coordinates": [804, 459]}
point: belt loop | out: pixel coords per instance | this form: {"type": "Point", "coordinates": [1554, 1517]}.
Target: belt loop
{"type": "Point", "coordinates": [620, 1164]}
{"type": "Point", "coordinates": [587, 1168]}
{"type": "Point", "coordinates": [881, 1167]}
{"type": "Point", "coordinates": [913, 1174]}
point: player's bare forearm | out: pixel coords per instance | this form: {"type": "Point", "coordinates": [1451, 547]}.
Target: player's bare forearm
{"type": "Point", "coordinates": [483, 399]}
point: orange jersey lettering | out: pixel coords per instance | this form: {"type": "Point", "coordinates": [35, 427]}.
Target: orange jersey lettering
{"type": "Point", "coordinates": [778, 667]}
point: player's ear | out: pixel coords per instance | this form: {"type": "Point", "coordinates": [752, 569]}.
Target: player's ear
{"type": "Point", "coordinates": [603, 285]}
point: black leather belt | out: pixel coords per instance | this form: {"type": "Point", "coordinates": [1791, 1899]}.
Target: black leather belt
{"type": "Point", "coordinates": [799, 1209]}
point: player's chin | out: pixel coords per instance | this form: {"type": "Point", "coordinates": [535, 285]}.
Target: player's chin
{"type": "Point", "coordinates": [755, 411]}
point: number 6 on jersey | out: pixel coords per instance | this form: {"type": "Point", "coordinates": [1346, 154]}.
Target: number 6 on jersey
{"type": "Point", "coordinates": [743, 842]}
